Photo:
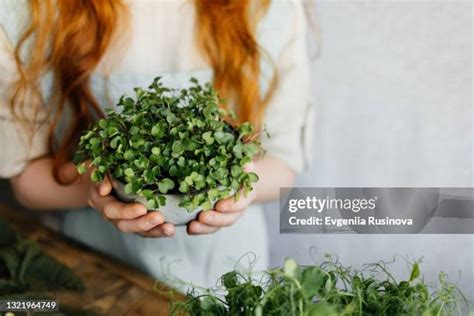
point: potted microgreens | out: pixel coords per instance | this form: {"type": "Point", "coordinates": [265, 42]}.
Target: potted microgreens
{"type": "Point", "coordinates": [172, 150]}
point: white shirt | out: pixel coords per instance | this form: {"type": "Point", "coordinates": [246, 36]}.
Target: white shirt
{"type": "Point", "coordinates": [159, 41]}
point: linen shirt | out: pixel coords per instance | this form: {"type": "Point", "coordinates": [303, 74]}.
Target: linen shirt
{"type": "Point", "coordinates": [159, 41]}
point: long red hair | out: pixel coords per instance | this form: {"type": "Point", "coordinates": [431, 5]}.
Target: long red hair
{"type": "Point", "coordinates": [69, 38]}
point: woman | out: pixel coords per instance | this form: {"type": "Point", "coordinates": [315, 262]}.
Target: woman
{"type": "Point", "coordinates": [62, 61]}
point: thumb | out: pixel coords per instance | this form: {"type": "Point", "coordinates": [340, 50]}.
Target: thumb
{"type": "Point", "coordinates": [105, 187]}
{"type": "Point", "coordinates": [67, 173]}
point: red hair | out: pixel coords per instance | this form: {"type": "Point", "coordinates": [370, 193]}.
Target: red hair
{"type": "Point", "coordinates": [70, 37]}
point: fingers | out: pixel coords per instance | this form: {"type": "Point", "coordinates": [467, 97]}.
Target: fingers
{"type": "Point", "coordinates": [218, 219]}
{"type": "Point", "coordinates": [127, 211]}
{"type": "Point", "coordinates": [98, 202]}
{"type": "Point", "coordinates": [229, 205]}
{"type": "Point", "coordinates": [141, 224]}
{"type": "Point", "coordinates": [163, 230]}
{"type": "Point", "coordinates": [197, 228]}
{"type": "Point", "coordinates": [111, 208]}
{"type": "Point", "coordinates": [105, 187]}
{"type": "Point", "coordinates": [227, 213]}
{"type": "Point", "coordinates": [128, 217]}
{"type": "Point", "coordinates": [210, 221]}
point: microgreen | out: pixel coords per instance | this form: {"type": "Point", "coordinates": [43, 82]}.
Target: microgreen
{"type": "Point", "coordinates": [168, 141]}
{"type": "Point", "coordinates": [327, 289]}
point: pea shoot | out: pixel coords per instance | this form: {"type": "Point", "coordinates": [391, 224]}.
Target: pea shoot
{"type": "Point", "coordinates": [326, 289]}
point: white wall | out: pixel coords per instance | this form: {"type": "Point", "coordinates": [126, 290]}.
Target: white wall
{"type": "Point", "coordinates": [393, 89]}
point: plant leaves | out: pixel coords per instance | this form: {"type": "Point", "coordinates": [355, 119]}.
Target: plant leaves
{"type": "Point", "coordinates": [166, 140]}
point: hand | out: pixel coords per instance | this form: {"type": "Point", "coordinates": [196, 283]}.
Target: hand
{"type": "Point", "coordinates": [226, 212]}
{"type": "Point", "coordinates": [128, 217]}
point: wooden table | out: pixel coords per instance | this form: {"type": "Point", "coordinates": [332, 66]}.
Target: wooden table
{"type": "Point", "coordinates": [111, 288]}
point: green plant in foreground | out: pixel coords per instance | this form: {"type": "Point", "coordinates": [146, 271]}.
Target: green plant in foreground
{"type": "Point", "coordinates": [328, 289]}
{"type": "Point", "coordinates": [25, 269]}
{"type": "Point", "coordinates": [27, 273]}
{"type": "Point", "coordinates": [171, 141]}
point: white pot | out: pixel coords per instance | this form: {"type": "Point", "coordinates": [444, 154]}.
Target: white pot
{"type": "Point", "coordinates": [171, 212]}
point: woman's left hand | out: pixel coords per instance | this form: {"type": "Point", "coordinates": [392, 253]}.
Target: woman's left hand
{"type": "Point", "coordinates": [226, 212]}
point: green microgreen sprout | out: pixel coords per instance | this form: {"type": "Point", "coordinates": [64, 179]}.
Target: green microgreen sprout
{"type": "Point", "coordinates": [169, 141]}
{"type": "Point", "coordinates": [325, 289]}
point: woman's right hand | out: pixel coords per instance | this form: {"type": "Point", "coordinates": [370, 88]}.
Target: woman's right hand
{"type": "Point", "coordinates": [127, 217]}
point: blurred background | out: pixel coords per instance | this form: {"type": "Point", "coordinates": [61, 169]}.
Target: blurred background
{"type": "Point", "coordinates": [393, 92]}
